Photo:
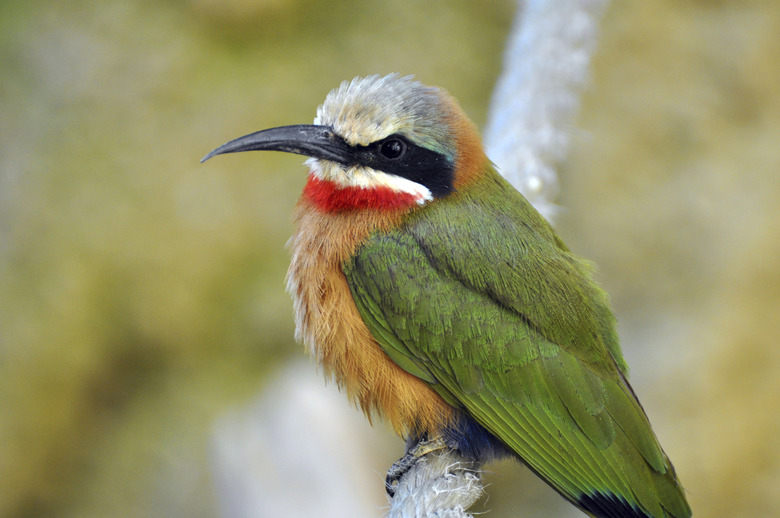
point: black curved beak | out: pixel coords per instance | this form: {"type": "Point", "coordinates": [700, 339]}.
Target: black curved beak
{"type": "Point", "coordinates": [302, 139]}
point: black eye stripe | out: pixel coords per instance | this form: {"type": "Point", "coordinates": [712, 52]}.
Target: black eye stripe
{"type": "Point", "coordinates": [413, 162]}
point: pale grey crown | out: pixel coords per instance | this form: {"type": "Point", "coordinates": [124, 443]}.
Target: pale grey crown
{"type": "Point", "coordinates": [371, 108]}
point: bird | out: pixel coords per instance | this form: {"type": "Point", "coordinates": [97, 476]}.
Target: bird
{"type": "Point", "coordinates": [441, 301]}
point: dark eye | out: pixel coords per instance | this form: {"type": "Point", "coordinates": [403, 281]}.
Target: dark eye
{"type": "Point", "coordinates": [392, 148]}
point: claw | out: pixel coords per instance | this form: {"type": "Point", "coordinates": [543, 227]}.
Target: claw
{"type": "Point", "coordinates": [407, 462]}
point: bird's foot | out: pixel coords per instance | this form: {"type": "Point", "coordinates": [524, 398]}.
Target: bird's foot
{"type": "Point", "coordinates": [405, 463]}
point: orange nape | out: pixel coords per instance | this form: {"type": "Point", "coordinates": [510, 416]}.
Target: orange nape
{"type": "Point", "coordinates": [471, 161]}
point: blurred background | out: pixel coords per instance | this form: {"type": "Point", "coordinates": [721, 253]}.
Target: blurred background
{"type": "Point", "coordinates": [147, 360]}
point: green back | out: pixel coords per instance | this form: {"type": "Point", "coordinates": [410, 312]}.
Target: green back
{"type": "Point", "coordinates": [476, 295]}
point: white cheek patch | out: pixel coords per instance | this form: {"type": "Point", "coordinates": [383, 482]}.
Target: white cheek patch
{"type": "Point", "coordinates": [367, 178]}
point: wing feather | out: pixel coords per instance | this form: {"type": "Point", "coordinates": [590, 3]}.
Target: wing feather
{"type": "Point", "coordinates": [488, 307]}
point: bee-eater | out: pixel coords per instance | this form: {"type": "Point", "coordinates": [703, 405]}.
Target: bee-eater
{"type": "Point", "coordinates": [439, 299]}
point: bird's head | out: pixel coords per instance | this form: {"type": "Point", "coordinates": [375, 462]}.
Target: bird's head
{"type": "Point", "coordinates": [390, 140]}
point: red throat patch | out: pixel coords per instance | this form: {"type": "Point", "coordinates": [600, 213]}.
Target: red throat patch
{"type": "Point", "coordinates": [330, 197]}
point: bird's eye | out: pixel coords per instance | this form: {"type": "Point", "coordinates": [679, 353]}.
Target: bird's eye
{"type": "Point", "coordinates": [392, 148]}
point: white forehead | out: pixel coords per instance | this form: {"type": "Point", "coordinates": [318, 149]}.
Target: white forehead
{"type": "Point", "coordinates": [368, 109]}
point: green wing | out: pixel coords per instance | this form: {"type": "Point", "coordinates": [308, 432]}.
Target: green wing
{"type": "Point", "coordinates": [477, 296]}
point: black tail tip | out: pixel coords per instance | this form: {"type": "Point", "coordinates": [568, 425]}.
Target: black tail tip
{"type": "Point", "coordinates": [609, 506]}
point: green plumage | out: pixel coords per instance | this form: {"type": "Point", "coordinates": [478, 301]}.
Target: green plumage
{"type": "Point", "coordinates": [477, 295]}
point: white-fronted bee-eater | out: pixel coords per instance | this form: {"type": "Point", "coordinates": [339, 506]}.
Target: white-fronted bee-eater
{"type": "Point", "coordinates": [439, 299]}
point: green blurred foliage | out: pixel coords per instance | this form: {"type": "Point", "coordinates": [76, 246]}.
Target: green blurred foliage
{"type": "Point", "coordinates": [142, 293]}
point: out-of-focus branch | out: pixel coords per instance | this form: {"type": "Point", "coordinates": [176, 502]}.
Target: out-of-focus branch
{"type": "Point", "coordinates": [538, 94]}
